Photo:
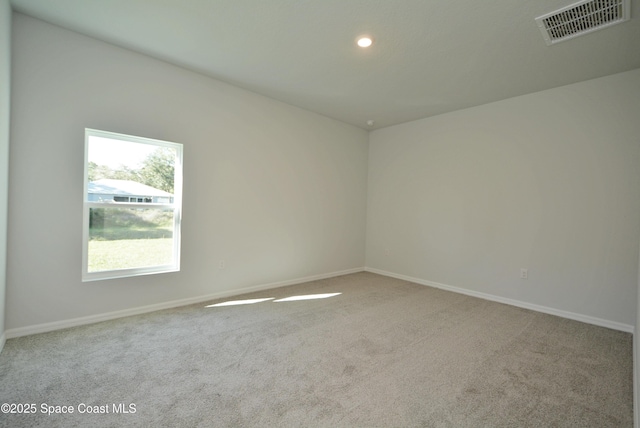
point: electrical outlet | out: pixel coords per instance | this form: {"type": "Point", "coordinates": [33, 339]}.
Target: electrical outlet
{"type": "Point", "coordinates": [524, 273]}
{"type": "Point", "coordinates": [222, 264]}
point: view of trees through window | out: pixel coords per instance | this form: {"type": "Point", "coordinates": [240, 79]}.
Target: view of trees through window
{"type": "Point", "coordinates": [130, 195]}
{"type": "Point", "coordinates": [157, 170]}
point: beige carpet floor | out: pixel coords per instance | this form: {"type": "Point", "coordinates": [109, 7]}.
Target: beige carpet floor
{"type": "Point", "coordinates": [383, 353]}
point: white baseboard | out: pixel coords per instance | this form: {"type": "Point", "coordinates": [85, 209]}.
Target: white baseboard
{"type": "Point", "coordinates": [74, 322]}
{"type": "Point", "coordinates": [636, 407]}
{"type": "Point", "coordinates": [538, 308]}
{"type": "Point", "coordinates": [3, 340]}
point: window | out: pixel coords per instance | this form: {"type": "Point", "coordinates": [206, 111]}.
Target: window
{"type": "Point", "coordinates": [132, 206]}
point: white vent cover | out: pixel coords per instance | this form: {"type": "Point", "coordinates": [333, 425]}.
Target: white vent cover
{"type": "Point", "coordinates": [581, 18]}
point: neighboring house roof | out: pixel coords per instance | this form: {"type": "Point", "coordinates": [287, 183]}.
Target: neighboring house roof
{"type": "Point", "coordinates": [107, 186]}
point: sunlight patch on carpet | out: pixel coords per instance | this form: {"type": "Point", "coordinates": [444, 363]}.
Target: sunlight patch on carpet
{"type": "Point", "coordinates": [286, 299]}
{"type": "Point", "coordinates": [240, 302]}
{"type": "Point", "coordinates": [307, 297]}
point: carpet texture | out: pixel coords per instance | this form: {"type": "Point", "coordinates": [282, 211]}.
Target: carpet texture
{"type": "Point", "coordinates": [383, 353]}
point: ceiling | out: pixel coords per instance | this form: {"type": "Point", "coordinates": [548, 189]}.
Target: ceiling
{"type": "Point", "coordinates": [428, 57]}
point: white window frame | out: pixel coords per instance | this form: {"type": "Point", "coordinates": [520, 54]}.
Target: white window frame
{"type": "Point", "coordinates": [176, 207]}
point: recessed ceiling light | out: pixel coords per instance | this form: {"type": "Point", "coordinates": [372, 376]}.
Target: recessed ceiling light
{"type": "Point", "coordinates": [364, 42]}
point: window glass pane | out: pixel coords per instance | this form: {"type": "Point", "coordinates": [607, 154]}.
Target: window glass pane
{"type": "Point", "coordinates": [122, 238]}
{"type": "Point", "coordinates": [124, 171]}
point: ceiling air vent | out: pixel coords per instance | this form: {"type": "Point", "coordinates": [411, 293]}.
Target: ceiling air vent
{"type": "Point", "coordinates": [581, 18]}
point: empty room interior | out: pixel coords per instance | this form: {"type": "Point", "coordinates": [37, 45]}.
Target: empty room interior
{"type": "Point", "coordinates": [436, 226]}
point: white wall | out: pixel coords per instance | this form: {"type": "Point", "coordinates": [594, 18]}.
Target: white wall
{"type": "Point", "coordinates": [5, 84]}
{"type": "Point", "coordinates": [277, 192]}
{"type": "Point", "coordinates": [548, 181]}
